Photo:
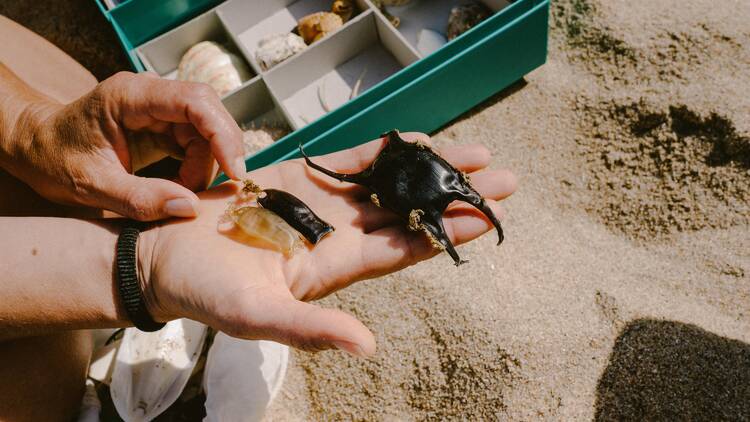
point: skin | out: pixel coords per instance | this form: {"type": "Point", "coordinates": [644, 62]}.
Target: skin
{"type": "Point", "coordinates": [58, 271]}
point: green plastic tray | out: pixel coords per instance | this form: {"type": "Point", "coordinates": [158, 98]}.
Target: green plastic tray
{"type": "Point", "coordinates": [421, 97]}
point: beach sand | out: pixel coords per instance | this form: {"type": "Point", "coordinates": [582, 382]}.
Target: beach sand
{"type": "Point", "coordinates": [622, 290]}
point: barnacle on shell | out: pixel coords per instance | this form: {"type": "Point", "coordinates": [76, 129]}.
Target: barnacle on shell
{"type": "Point", "coordinates": [417, 184]}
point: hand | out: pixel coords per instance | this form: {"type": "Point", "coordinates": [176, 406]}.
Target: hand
{"type": "Point", "coordinates": [79, 154]}
{"type": "Point", "coordinates": [191, 270]}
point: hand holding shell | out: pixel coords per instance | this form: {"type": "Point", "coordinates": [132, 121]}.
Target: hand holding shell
{"type": "Point", "coordinates": [199, 273]}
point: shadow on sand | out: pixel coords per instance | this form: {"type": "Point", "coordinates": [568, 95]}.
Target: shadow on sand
{"type": "Point", "coordinates": [665, 370]}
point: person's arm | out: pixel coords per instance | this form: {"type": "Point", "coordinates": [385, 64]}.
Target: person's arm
{"type": "Point", "coordinates": [57, 273]}
{"type": "Point", "coordinates": [15, 99]}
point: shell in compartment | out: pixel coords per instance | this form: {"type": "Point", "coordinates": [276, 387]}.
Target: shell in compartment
{"type": "Point", "coordinates": [276, 48]}
{"type": "Point", "coordinates": [317, 25]}
{"type": "Point", "coordinates": [255, 138]}
{"type": "Point", "coordinates": [210, 63]}
{"type": "Point", "coordinates": [465, 17]}
{"type": "Point", "coordinates": [343, 8]}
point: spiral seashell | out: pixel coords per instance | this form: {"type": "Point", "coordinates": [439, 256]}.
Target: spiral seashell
{"type": "Point", "coordinates": [276, 48]}
{"type": "Point", "coordinates": [210, 63]}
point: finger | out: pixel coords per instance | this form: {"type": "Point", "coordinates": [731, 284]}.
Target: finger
{"type": "Point", "coordinates": [198, 168]}
{"type": "Point", "coordinates": [394, 248]}
{"type": "Point", "coordinates": [147, 100]}
{"type": "Point", "coordinates": [312, 328]}
{"type": "Point", "coordinates": [494, 184]}
{"type": "Point", "coordinates": [143, 199]}
{"type": "Point", "coordinates": [468, 158]}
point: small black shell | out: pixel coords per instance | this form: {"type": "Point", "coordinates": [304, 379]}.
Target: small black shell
{"type": "Point", "coordinates": [296, 213]}
{"type": "Point", "coordinates": [418, 185]}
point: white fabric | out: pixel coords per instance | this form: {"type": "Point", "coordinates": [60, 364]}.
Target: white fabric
{"type": "Point", "coordinates": [242, 377]}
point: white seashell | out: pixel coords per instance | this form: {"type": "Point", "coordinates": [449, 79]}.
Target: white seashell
{"type": "Point", "coordinates": [210, 63]}
{"type": "Point", "coordinates": [274, 49]}
{"type": "Point", "coordinates": [151, 369]}
{"type": "Point", "coordinates": [242, 377]}
{"type": "Point", "coordinates": [429, 41]}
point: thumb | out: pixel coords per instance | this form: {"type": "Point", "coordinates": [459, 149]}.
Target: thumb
{"type": "Point", "coordinates": [309, 327]}
{"type": "Point", "coordinates": [145, 199]}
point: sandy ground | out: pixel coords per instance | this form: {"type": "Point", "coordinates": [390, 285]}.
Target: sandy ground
{"type": "Point", "coordinates": [622, 291]}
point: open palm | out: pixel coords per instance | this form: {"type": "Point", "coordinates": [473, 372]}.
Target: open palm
{"type": "Point", "coordinates": [249, 291]}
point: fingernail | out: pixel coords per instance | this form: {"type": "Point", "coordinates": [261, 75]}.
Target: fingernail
{"type": "Point", "coordinates": [239, 167]}
{"type": "Point", "coordinates": [351, 348]}
{"type": "Point", "coordinates": [180, 207]}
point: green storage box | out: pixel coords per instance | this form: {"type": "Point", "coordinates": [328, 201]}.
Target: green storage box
{"type": "Point", "coordinates": [400, 88]}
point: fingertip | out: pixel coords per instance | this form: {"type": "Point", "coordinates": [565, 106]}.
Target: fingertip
{"type": "Point", "coordinates": [356, 349]}
{"type": "Point", "coordinates": [231, 158]}
{"type": "Point", "coordinates": [510, 181]}
{"type": "Point", "coordinates": [468, 158]}
{"type": "Point", "coordinates": [184, 206]}
{"type": "Point", "coordinates": [239, 168]}
{"type": "Point", "coordinates": [415, 137]}
{"type": "Point", "coordinates": [179, 207]}
{"type": "Point", "coordinates": [481, 154]}
{"type": "Point", "coordinates": [497, 209]}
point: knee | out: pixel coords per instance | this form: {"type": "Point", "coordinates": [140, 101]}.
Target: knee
{"type": "Point", "coordinates": [42, 378]}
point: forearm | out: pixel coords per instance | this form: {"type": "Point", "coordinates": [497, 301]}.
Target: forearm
{"type": "Point", "coordinates": [57, 273]}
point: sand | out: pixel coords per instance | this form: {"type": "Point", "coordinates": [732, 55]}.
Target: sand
{"type": "Point", "coordinates": [622, 291]}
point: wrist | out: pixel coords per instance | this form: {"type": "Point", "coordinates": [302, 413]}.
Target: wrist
{"type": "Point", "coordinates": [23, 122]}
{"type": "Point", "coordinates": [145, 262]}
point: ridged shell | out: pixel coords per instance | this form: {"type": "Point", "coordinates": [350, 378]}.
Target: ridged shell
{"type": "Point", "coordinates": [210, 63]}
{"type": "Point", "coordinates": [276, 48]}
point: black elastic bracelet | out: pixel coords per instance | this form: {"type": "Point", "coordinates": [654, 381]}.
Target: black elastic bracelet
{"type": "Point", "coordinates": [127, 279]}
